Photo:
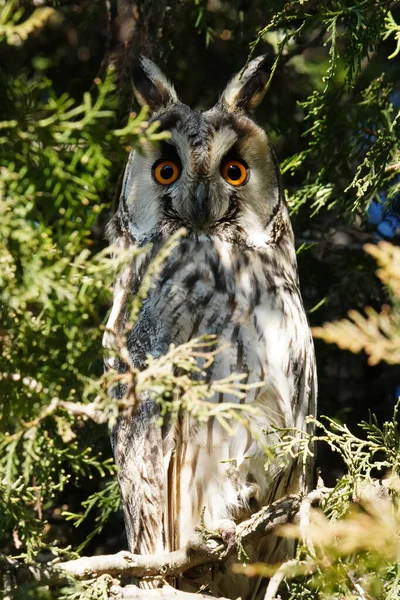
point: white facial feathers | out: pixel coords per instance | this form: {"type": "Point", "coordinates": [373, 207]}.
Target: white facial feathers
{"type": "Point", "coordinates": [202, 198]}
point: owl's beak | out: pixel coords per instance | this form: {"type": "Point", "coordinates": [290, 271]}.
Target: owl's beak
{"type": "Point", "coordinates": [201, 207]}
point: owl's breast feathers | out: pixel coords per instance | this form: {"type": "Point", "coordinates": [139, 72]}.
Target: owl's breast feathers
{"type": "Point", "coordinates": [250, 300]}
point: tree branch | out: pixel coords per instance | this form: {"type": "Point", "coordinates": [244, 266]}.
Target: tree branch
{"type": "Point", "coordinates": [166, 564]}
{"type": "Point", "coordinates": [132, 592]}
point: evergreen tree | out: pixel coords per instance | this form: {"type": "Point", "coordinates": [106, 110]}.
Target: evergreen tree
{"type": "Point", "coordinates": [67, 124]}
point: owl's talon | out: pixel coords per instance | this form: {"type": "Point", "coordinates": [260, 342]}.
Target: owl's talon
{"type": "Point", "coordinates": [226, 529]}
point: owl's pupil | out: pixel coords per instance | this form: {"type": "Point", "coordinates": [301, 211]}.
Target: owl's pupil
{"type": "Point", "coordinates": [166, 172]}
{"type": "Point", "coordinates": [234, 172]}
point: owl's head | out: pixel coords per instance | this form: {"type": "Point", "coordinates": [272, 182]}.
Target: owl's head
{"type": "Point", "coordinates": [215, 174]}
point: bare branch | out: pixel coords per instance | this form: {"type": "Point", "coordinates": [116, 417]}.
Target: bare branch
{"type": "Point", "coordinates": [132, 592]}
{"type": "Point", "coordinates": [93, 410]}
{"type": "Point", "coordinates": [166, 564]}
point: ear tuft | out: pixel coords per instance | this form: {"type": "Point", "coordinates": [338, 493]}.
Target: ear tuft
{"type": "Point", "coordinates": [246, 90]}
{"type": "Point", "coordinates": [151, 86]}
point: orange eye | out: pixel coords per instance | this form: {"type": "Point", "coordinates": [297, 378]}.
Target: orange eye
{"type": "Point", "coordinates": [166, 172]}
{"type": "Point", "coordinates": [234, 172]}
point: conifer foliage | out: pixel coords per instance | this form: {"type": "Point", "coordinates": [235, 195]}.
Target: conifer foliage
{"type": "Point", "coordinates": [66, 127]}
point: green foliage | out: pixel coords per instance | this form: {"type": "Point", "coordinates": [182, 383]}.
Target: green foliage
{"type": "Point", "coordinates": [352, 550]}
{"type": "Point", "coordinates": [342, 119]}
{"type": "Point", "coordinates": [14, 500]}
{"type": "Point", "coordinates": [64, 139]}
{"type": "Point", "coordinates": [392, 29]}
{"type": "Point", "coordinates": [106, 501]}
{"type": "Point", "coordinates": [349, 548]}
{"type": "Point", "coordinates": [57, 157]}
{"type": "Point", "coordinates": [14, 28]}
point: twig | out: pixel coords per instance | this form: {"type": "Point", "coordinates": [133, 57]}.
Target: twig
{"type": "Point", "coordinates": [313, 497]}
{"type": "Point", "coordinates": [393, 167]}
{"type": "Point", "coordinates": [361, 595]}
{"type": "Point", "coordinates": [299, 49]}
{"type": "Point", "coordinates": [277, 579]}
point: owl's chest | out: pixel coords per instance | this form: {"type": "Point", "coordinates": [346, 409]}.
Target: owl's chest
{"type": "Point", "coordinates": [249, 302]}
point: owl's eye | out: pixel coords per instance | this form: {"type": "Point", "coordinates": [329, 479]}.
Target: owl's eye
{"type": "Point", "coordinates": [235, 172]}
{"type": "Point", "coordinates": [166, 172]}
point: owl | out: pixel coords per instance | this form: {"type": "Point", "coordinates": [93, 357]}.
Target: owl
{"type": "Point", "coordinates": [233, 274]}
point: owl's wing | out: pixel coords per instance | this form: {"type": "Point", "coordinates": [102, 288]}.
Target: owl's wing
{"type": "Point", "coordinates": [143, 450]}
{"type": "Point", "coordinates": [137, 448]}
{"type": "Point", "coordinates": [136, 440]}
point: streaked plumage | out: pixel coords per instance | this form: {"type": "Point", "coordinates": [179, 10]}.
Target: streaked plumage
{"type": "Point", "coordinates": [234, 274]}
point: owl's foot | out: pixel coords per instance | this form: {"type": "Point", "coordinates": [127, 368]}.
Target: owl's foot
{"type": "Point", "coordinates": [225, 529]}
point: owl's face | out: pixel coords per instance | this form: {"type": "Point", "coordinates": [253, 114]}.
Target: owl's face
{"type": "Point", "coordinates": [215, 174]}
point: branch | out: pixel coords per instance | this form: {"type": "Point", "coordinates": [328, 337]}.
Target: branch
{"type": "Point", "coordinates": [197, 552]}
{"type": "Point", "coordinates": [132, 592]}
{"type": "Point", "coordinates": [167, 564]}
{"type": "Point", "coordinates": [299, 49]}
{"type": "Point", "coordinates": [277, 578]}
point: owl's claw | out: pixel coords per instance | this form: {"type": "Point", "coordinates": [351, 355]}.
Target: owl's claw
{"type": "Point", "coordinates": [226, 530]}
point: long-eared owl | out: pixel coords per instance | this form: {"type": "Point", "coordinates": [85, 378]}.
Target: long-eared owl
{"type": "Point", "coordinates": [234, 275]}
